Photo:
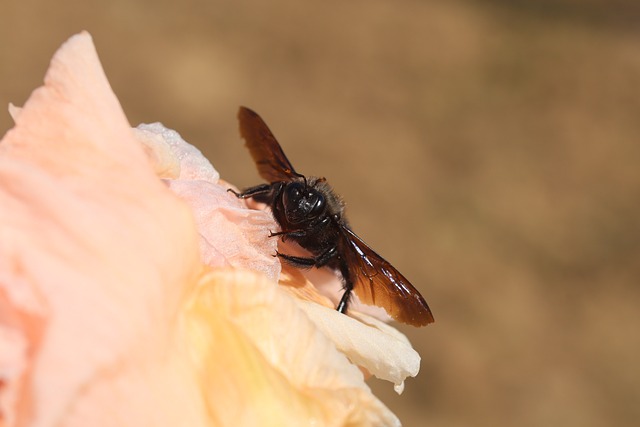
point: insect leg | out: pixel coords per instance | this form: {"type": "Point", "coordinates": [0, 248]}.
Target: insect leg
{"type": "Point", "coordinates": [288, 233]}
{"type": "Point", "coordinates": [253, 191]}
{"type": "Point", "coordinates": [344, 301]}
{"type": "Point", "coordinates": [325, 257]}
{"type": "Point", "coordinates": [348, 286]}
{"type": "Point", "coordinates": [298, 261]}
{"type": "Point", "coordinates": [303, 232]}
{"type": "Point", "coordinates": [307, 262]}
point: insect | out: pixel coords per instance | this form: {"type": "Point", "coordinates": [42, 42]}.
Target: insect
{"type": "Point", "coordinates": [312, 215]}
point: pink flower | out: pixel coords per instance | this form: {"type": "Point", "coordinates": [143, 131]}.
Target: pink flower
{"type": "Point", "coordinates": [134, 290]}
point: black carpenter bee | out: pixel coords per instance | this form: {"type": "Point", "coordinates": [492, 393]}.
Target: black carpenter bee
{"type": "Point", "coordinates": [312, 215]}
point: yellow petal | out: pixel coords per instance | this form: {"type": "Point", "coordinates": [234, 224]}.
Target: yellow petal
{"type": "Point", "coordinates": [264, 363]}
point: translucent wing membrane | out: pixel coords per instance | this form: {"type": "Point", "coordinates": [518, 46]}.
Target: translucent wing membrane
{"type": "Point", "coordinates": [270, 160]}
{"type": "Point", "coordinates": [376, 282]}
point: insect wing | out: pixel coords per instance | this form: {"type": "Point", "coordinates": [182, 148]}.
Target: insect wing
{"type": "Point", "coordinates": [270, 160]}
{"type": "Point", "coordinates": [376, 282]}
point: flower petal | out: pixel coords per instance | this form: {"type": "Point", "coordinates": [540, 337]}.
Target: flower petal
{"type": "Point", "coordinates": [230, 234]}
{"type": "Point", "coordinates": [238, 323]}
{"type": "Point", "coordinates": [192, 165]}
{"type": "Point", "coordinates": [368, 342]}
{"type": "Point", "coordinates": [88, 267]}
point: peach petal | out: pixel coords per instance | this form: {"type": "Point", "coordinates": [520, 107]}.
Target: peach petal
{"type": "Point", "coordinates": [80, 250]}
{"type": "Point", "coordinates": [230, 234]}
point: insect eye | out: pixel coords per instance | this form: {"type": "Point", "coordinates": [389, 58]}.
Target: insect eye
{"type": "Point", "coordinates": [293, 192]}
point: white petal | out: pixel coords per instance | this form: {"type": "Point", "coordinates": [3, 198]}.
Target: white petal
{"type": "Point", "coordinates": [368, 342]}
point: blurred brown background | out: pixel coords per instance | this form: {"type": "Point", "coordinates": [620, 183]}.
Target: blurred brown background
{"type": "Point", "coordinates": [490, 150]}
